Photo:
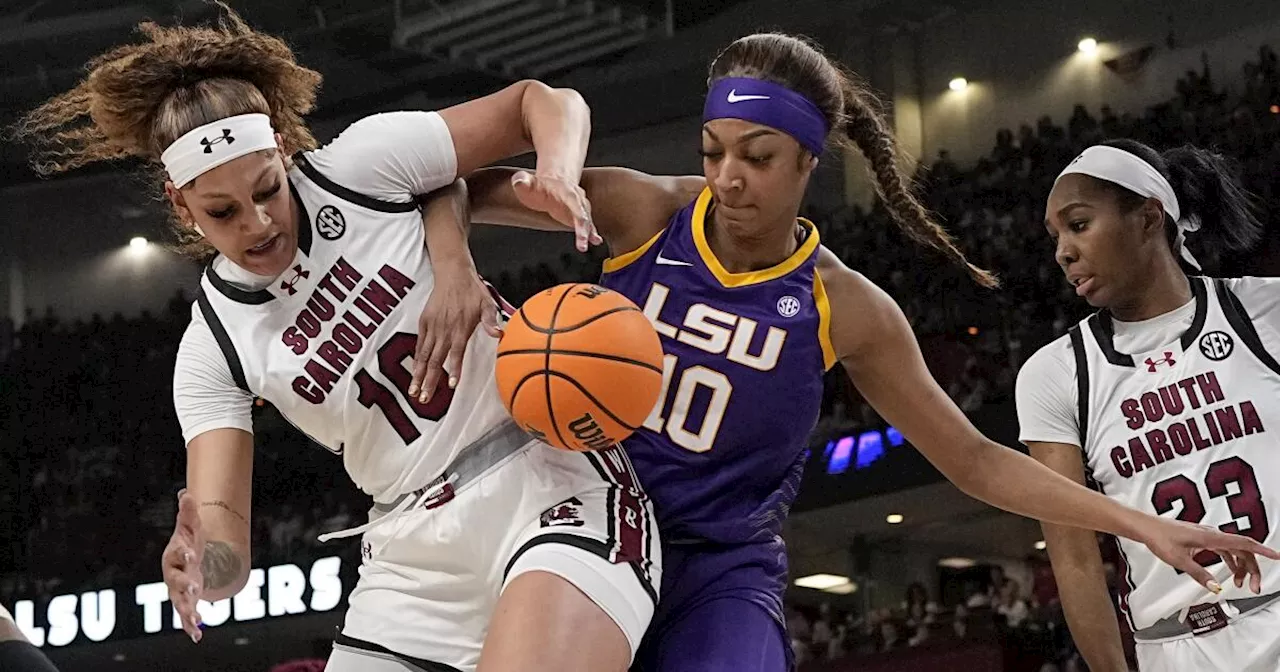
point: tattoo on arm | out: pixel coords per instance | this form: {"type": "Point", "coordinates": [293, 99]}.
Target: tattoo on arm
{"type": "Point", "coordinates": [221, 565]}
{"type": "Point", "coordinates": [226, 507]}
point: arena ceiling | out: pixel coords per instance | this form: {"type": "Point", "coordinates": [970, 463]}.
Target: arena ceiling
{"type": "Point", "coordinates": [387, 54]}
{"type": "Point", "coordinates": [375, 54]}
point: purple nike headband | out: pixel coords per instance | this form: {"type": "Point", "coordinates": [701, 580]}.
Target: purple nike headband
{"type": "Point", "coordinates": [770, 104]}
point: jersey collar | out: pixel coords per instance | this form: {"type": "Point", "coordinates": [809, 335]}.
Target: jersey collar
{"type": "Point", "coordinates": [1102, 324]}
{"type": "Point", "coordinates": [703, 208]}
{"type": "Point", "coordinates": [261, 296]}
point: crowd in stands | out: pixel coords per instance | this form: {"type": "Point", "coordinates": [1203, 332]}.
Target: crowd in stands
{"type": "Point", "coordinates": [92, 453]}
{"type": "Point", "coordinates": [1027, 625]}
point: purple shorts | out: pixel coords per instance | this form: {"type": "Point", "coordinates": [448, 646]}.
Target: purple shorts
{"type": "Point", "coordinates": [720, 611]}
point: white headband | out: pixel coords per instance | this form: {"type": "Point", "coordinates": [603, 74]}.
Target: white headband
{"type": "Point", "coordinates": [1133, 173]}
{"type": "Point", "coordinates": [206, 147]}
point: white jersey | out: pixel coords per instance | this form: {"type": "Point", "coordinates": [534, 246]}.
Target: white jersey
{"type": "Point", "coordinates": [1182, 427]}
{"type": "Point", "coordinates": [330, 342]}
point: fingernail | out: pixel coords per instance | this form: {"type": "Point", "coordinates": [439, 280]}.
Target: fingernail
{"type": "Point", "coordinates": [194, 639]}
{"type": "Point", "coordinates": [413, 389]}
{"type": "Point", "coordinates": [186, 556]}
{"type": "Point", "coordinates": [191, 589]}
{"type": "Point", "coordinates": [453, 382]}
{"type": "Point", "coordinates": [1214, 587]}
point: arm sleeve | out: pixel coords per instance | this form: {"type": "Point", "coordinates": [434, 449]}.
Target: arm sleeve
{"type": "Point", "coordinates": [1261, 300]}
{"type": "Point", "coordinates": [1046, 396]}
{"type": "Point", "coordinates": [392, 156]}
{"type": "Point", "coordinates": [205, 395]}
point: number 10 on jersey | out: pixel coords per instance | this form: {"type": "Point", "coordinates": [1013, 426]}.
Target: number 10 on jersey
{"type": "Point", "coordinates": [673, 419]}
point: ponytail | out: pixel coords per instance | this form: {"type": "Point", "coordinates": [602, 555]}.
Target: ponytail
{"type": "Point", "coordinates": [1209, 190]}
{"type": "Point", "coordinates": [866, 129]}
{"type": "Point", "coordinates": [854, 116]}
{"type": "Point", "coordinates": [1208, 187]}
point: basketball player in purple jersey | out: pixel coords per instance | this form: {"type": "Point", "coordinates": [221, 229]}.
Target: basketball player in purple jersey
{"type": "Point", "coordinates": [752, 311]}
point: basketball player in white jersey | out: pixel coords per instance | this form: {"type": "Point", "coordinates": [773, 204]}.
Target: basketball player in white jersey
{"type": "Point", "coordinates": [1168, 399]}
{"type": "Point", "coordinates": [485, 549]}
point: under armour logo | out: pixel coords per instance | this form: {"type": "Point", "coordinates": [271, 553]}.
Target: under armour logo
{"type": "Point", "coordinates": [1153, 363]}
{"type": "Point", "coordinates": [208, 144]}
{"type": "Point", "coordinates": [298, 274]}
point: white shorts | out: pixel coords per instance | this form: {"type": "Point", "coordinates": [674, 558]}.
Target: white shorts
{"type": "Point", "coordinates": [1249, 643]}
{"type": "Point", "coordinates": [430, 580]}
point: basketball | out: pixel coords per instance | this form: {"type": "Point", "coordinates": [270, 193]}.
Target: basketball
{"type": "Point", "coordinates": [579, 366]}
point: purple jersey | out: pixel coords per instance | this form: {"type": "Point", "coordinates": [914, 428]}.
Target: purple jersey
{"type": "Point", "coordinates": [721, 455]}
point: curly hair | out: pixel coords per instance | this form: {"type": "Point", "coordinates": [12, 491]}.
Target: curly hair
{"type": "Point", "coordinates": [138, 98]}
{"type": "Point", "coordinates": [856, 114]}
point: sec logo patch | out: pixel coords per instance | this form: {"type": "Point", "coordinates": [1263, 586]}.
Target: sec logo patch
{"type": "Point", "coordinates": [330, 223]}
{"type": "Point", "coordinates": [1217, 345]}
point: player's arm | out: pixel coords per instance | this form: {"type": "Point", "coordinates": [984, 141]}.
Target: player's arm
{"type": "Point", "coordinates": [219, 482]}
{"type": "Point", "coordinates": [1077, 568]}
{"type": "Point", "coordinates": [529, 115]}
{"type": "Point", "coordinates": [399, 156]}
{"type": "Point", "coordinates": [628, 207]}
{"type": "Point", "coordinates": [1049, 425]}
{"type": "Point", "coordinates": [208, 555]}
{"type": "Point", "coordinates": [876, 346]}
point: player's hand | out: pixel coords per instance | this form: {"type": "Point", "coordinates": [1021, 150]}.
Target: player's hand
{"type": "Point", "coordinates": [1176, 543]}
{"type": "Point", "coordinates": [180, 565]}
{"type": "Point", "coordinates": [561, 198]}
{"type": "Point", "coordinates": [458, 303]}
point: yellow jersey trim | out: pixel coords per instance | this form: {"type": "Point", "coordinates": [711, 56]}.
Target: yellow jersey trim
{"type": "Point", "coordinates": [823, 304]}
{"type": "Point", "coordinates": [623, 260]}
{"type": "Point", "coordinates": [728, 279]}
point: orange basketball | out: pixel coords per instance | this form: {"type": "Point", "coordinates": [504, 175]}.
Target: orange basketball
{"type": "Point", "coordinates": [579, 366]}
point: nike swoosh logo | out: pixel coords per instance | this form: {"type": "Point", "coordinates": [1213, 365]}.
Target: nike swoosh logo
{"type": "Point", "coordinates": [735, 98]}
{"type": "Point", "coordinates": [663, 261]}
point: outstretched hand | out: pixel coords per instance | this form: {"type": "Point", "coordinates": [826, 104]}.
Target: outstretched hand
{"type": "Point", "coordinates": [459, 302]}
{"type": "Point", "coordinates": [565, 201]}
{"type": "Point", "coordinates": [180, 565]}
{"type": "Point", "coordinates": [1176, 543]}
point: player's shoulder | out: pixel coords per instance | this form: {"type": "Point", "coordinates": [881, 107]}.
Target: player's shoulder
{"type": "Point", "coordinates": [386, 128]}
{"type": "Point", "coordinates": [389, 156]}
{"type": "Point", "coordinates": [845, 286]}
{"type": "Point", "coordinates": [1054, 361]}
{"type": "Point", "coordinates": [1254, 293]}
{"type": "Point", "coordinates": [631, 207]}
{"type": "Point", "coordinates": [835, 273]}
{"type": "Point", "coordinates": [862, 313]}
{"type": "Point", "coordinates": [198, 337]}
